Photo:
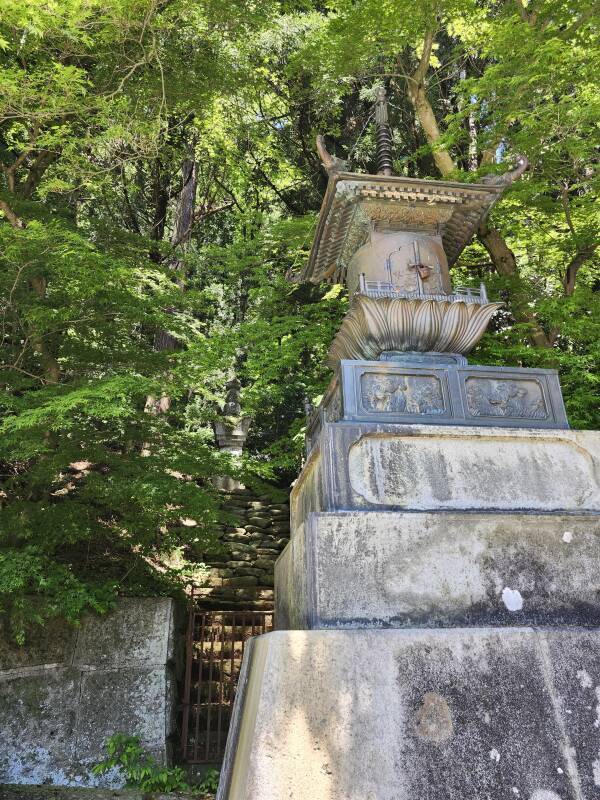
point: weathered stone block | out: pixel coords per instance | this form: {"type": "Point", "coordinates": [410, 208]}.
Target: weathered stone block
{"type": "Point", "coordinates": [427, 467]}
{"type": "Point", "coordinates": [264, 563]}
{"type": "Point", "coordinates": [136, 700]}
{"type": "Point", "coordinates": [238, 556]}
{"type": "Point", "coordinates": [240, 580]}
{"type": "Point", "coordinates": [111, 675]}
{"type": "Point", "coordinates": [260, 522]}
{"type": "Point", "coordinates": [417, 715]}
{"type": "Point", "coordinates": [53, 643]}
{"type": "Point", "coordinates": [372, 569]}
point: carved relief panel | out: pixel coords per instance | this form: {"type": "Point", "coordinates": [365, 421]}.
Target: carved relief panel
{"type": "Point", "coordinates": [517, 399]}
{"type": "Point", "coordinates": [401, 394]}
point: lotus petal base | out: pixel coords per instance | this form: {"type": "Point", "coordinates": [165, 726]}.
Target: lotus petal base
{"type": "Point", "coordinates": [376, 324]}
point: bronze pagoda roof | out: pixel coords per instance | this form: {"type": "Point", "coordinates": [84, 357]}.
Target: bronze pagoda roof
{"type": "Point", "coordinates": [354, 202]}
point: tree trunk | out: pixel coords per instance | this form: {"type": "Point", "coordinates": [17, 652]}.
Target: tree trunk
{"type": "Point", "coordinates": [184, 218]}
{"type": "Point", "coordinates": [160, 202]}
{"type": "Point", "coordinates": [186, 204]}
{"type": "Point", "coordinates": [425, 115]}
{"type": "Point", "coordinates": [505, 263]}
{"type": "Point", "coordinates": [502, 257]}
{"type": "Point", "coordinates": [50, 365]}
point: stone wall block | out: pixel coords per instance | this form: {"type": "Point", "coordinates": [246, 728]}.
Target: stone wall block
{"type": "Point", "coordinates": [135, 632]}
{"type": "Point", "coordinates": [260, 522]}
{"type": "Point", "coordinates": [114, 675]}
{"type": "Point", "coordinates": [240, 580]}
{"type": "Point", "coordinates": [264, 563]}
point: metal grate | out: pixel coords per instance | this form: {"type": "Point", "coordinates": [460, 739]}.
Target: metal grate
{"type": "Point", "coordinates": [214, 652]}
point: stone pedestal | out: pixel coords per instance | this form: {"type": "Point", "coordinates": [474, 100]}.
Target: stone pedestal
{"type": "Point", "coordinates": [361, 466]}
{"type": "Point", "coordinates": [442, 511]}
{"type": "Point", "coordinates": [374, 569]}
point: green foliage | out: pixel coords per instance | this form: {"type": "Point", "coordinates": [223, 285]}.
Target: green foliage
{"type": "Point", "coordinates": [210, 782]}
{"type": "Point", "coordinates": [140, 769]}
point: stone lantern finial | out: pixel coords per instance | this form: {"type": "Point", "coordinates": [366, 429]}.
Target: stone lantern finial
{"type": "Point", "coordinates": [384, 134]}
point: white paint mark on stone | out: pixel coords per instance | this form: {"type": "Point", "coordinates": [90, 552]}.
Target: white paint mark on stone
{"type": "Point", "coordinates": [487, 718]}
{"type": "Point", "coordinates": [567, 537]}
{"type": "Point", "coordinates": [559, 770]}
{"type": "Point", "coordinates": [515, 790]}
{"type": "Point", "coordinates": [495, 755]}
{"type": "Point", "coordinates": [596, 770]}
{"type": "Point", "coordinates": [512, 599]}
{"type": "Point", "coordinates": [584, 679]}
{"type": "Point", "coordinates": [545, 794]}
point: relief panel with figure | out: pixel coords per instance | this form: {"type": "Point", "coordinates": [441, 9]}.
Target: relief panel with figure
{"type": "Point", "coordinates": [488, 397]}
{"type": "Point", "coordinates": [402, 394]}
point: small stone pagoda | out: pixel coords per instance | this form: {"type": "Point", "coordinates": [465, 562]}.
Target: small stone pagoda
{"type": "Point", "coordinates": [438, 605]}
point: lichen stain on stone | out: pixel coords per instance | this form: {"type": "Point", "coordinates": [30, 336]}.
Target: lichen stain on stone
{"type": "Point", "coordinates": [434, 720]}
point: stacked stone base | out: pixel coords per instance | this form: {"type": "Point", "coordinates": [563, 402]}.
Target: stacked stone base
{"type": "Point", "coordinates": [421, 556]}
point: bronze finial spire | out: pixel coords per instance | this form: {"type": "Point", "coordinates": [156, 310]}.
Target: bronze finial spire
{"type": "Point", "coordinates": [384, 135]}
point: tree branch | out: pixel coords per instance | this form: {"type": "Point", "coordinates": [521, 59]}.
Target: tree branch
{"type": "Point", "coordinates": [564, 196]}
{"type": "Point", "coordinates": [14, 220]}
{"type": "Point", "coordinates": [36, 172]}
{"type": "Point", "coordinates": [578, 260]}
{"type": "Point", "coordinates": [420, 72]}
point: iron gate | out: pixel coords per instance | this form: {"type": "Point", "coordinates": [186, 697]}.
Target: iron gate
{"type": "Point", "coordinates": [214, 650]}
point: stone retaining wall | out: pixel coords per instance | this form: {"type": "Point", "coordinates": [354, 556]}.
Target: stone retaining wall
{"type": "Point", "coordinates": [69, 689]}
{"type": "Point", "coordinates": [241, 577]}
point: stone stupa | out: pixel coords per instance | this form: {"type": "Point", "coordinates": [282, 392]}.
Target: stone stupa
{"type": "Point", "coordinates": [437, 607]}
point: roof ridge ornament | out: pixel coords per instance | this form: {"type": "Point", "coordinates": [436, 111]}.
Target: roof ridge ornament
{"type": "Point", "coordinates": [522, 164]}
{"type": "Point", "coordinates": [332, 164]}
